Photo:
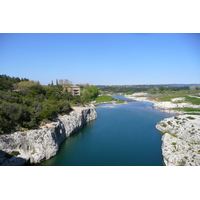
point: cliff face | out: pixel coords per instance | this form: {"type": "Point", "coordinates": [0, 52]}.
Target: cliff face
{"type": "Point", "coordinates": [181, 141]}
{"type": "Point", "coordinates": [43, 143]}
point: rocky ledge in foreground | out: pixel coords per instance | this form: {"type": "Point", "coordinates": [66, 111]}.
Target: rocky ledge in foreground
{"type": "Point", "coordinates": [181, 140]}
{"type": "Point", "coordinates": [41, 144]}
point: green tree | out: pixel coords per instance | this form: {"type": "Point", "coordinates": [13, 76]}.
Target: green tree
{"type": "Point", "coordinates": [162, 89]}
{"type": "Point", "coordinates": [5, 83]}
{"type": "Point", "coordinates": [37, 90]}
{"type": "Point", "coordinates": [90, 93]}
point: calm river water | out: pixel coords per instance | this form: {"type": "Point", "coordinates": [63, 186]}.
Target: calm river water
{"type": "Point", "coordinates": [124, 135]}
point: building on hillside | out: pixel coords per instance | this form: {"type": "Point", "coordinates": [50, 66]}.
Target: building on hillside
{"type": "Point", "coordinates": [74, 90]}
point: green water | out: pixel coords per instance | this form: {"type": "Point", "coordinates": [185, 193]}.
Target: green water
{"type": "Point", "coordinates": [121, 136]}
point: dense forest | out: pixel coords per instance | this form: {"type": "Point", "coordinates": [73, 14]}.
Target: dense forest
{"type": "Point", "coordinates": [26, 104]}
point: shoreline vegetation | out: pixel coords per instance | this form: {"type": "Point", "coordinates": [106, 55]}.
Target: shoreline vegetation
{"type": "Point", "coordinates": [26, 105]}
{"type": "Point", "coordinates": [105, 99]}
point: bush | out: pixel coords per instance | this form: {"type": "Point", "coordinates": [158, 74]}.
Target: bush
{"type": "Point", "coordinates": [14, 111]}
{"type": "Point", "coordinates": [74, 102]}
{"type": "Point", "coordinates": [15, 153]}
{"type": "Point", "coordinates": [36, 90]}
{"type": "Point", "coordinates": [64, 107]}
{"type": "Point", "coordinates": [12, 116]}
{"type": "Point", "coordinates": [33, 103]}
{"type": "Point", "coordinates": [11, 97]}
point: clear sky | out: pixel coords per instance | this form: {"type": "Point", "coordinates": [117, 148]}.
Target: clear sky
{"type": "Point", "coordinates": [102, 58]}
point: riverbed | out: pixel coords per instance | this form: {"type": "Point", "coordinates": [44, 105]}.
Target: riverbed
{"type": "Point", "coordinates": [122, 135]}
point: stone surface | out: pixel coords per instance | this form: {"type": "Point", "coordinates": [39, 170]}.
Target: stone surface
{"type": "Point", "coordinates": [166, 106]}
{"type": "Point", "coordinates": [41, 144]}
{"type": "Point", "coordinates": [181, 140]}
{"type": "Point", "coordinates": [178, 99]}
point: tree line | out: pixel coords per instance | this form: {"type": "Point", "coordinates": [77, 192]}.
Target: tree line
{"type": "Point", "coordinates": [132, 89]}
{"type": "Point", "coordinates": [9, 83]}
{"type": "Point", "coordinates": [32, 104]}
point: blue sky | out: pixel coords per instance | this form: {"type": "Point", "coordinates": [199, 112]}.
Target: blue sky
{"type": "Point", "coordinates": [102, 58]}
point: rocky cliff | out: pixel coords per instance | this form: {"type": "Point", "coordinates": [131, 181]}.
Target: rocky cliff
{"type": "Point", "coordinates": [41, 144]}
{"type": "Point", "coordinates": [181, 140]}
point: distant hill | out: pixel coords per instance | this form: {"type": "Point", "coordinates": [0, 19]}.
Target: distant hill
{"type": "Point", "coordinates": [150, 85]}
{"type": "Point", "coordinates": [180, 85]}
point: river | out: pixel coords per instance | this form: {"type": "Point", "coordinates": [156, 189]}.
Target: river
{"type": "Point", "coordinates": [122, 135]}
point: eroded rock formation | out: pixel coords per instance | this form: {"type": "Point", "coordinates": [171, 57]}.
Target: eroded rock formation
{"type": "Point", "coordinates": [181, 140]}
{"type": "Point", "coordinates": [43, 143]}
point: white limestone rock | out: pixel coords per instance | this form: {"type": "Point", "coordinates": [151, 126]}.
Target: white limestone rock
{"type": "Point", "coordinates": [181, 140]}
{"type": "Point", "coordinates": [179, 99]}
{"type": "Point", "coordinates": [43, 143]}
{"type": "Point", "coordinates": [166, 106]}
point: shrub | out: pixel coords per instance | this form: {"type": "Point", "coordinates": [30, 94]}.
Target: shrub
{"type": "Point", "coordinates": [170, 123]}
{"type": "Point", "coordinates": [64, 107]}
{"type": "Point", "coordinates": [14, 111]}
{"type": "Point", "coordinates": [15, 153]}
{"type": "Point", "coordinates": [34, 103]}
{"type": "Point", "coordinates": [74, 101]}
{"type": "Point", "coordinates": [190, 117]}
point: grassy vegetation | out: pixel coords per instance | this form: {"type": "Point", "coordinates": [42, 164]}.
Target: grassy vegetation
{"type": "Point", "coordinates": [15, 153]}
{"type": "Point", "coordinates": [106, 98]}
{"type": "Point", "coordinates": [187, 109]}
{"type": "Point", "coordinates": [192, 113]}
{"type": "Point", "coordinates": [193, 100]}
{"type": "Point", "coordinates": [120, 101]}
{"type": "Point", "coordinates": [172, 134]}
{"type": "Point", "coordinates": [169, 97]}
{"type": "Point", "coordinates": [188, 99]}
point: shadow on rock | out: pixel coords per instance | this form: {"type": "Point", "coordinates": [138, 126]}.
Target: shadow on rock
{"type": "Point", "coordinates": [7, 159]}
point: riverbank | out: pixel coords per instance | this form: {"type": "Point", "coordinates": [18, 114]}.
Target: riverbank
{"type": "Point", "coordinates": [173, 105]}
{"type": "Point", "coordinates": [181, 139]}
{"type": "Point", "coordinates": [34, 146]}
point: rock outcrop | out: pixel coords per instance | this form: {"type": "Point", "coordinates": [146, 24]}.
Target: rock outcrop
{"type": "Point", "coordinates": [165, 106]}
{"type": "Point", "coordinates": [181, 140]}
{"type": "Point", "coordinates": [41, 144]}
